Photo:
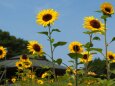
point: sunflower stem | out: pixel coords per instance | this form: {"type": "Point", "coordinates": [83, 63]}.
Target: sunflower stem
{"type": "Point", "coordinates": [90, 45]}
{"type": "Point", "coordinates": [51, 49]}
{"type": "Point", "coordinates": [76, 75]}
{"type": "Point", "coordinates": [106, 49]}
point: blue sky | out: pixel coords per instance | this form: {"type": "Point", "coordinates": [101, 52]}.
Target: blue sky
{"type": "Point", "coordinates": [19, 18]}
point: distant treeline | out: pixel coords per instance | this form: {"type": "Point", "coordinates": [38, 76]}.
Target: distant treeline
{"type": "Point", "coordinates": [15, 46]}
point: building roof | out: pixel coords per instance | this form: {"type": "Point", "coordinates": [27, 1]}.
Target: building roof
{"type": "Point", "coordinates": [37, 62]}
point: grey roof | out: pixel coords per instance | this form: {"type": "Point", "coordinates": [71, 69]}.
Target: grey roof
{"type": "Point", "coordinates": [35, 62]}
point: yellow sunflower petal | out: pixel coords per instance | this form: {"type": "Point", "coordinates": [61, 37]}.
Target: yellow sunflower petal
{"type": "Point", "coordinates": [111, 56]}
{"type": "Point", "coordinates": [24, 58]}
{"type": "Point", "coordinates": [75, 47]}
{"type": "Point", "coordinates": [19, 65]}
{"type": "Point", "coordinates": [35, 47]}
{"type": "Point", "coordinates": [107, 8]}
{"type": "Point", "coordinates": [3, 52]}
{"type": "Point", "coordinates": [46, 17]}
{"type": "Point", "coordinates": [86, 58]}
{"type": "Point", "coordinates": [93, 24]}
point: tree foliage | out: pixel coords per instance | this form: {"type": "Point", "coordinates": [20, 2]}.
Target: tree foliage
{"type": "Point", "coordinates": [99, 67]}
{"type": "Point", "coordinates": [15, 46]}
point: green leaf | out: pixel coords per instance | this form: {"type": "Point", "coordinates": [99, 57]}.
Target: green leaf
{"type": "Point", "coordinates": [96, 38]}
{"type": "Point", "coordinates": [75, 55]}
{"type": "Point", "coordinates": [99, 11]}
{"type": "Point", "coordinates": [88, 45]}
{"type": "Point", "coordinates": [113, 71]}
{"type": "Point", "coordinates": [71, 61]}
{"type": "Point", "coordinates": [113, 39]}
{"type": "Point", "coordinates": [60, 43]}
{"type": "Point", "coordinates": [55, 30]}
{"type": "Point", "coordinates": [52, 40]}
{"type": "Point", "coordinates": [59, 61]}
{"type": "Point", "coordinates": [45, 33]}
{"type": "Point", "coordinates": [104, 16]}
{"type": "Point", "coordinates": [95, 49]}
{"type": "Point", "coordinates": [91, 32]}
{"type": "Point", "coordinates": [87, 32]}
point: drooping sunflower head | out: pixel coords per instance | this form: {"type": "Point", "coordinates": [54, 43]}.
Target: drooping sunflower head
{"type": "Point", "coordinates": [75, 47]}
{"type": "Point", "coordinates": [44, 75]}
{"type": "Point", "coordinates": [3, 52]}
{"type": "Point", "coordinates": [91, 73]}
{"type": "Point", "coordinates": [40, 82]}
{"type": "Point", "coordinates": [69, 84]}
{"type": "Point", "coordinates": [35, 47]}
{"type": "Point", "coordinates": [24, 58]}
{"type": "Point", "coordinates": [19, 65]}
{"type": "Point", "coordinates": [107, 8]}
{"type": "Point", "coordinates": [111, 56]}
{"type": "Point", "coordinates": [69, 70]}
{"type": "Point", "coordinates": [93, 24]}
{"type": "Point", "coordinates": [47, 17]}
{"type": "Point", "coordinates": [87, 57]}
{"type": "Point", "coordinates": [13, 79]}
{"type": "Point", "coordinates": [31, 75]}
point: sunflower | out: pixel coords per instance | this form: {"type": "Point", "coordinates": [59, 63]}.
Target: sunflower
{"type": "Point", "coordinates": [86, 58]}
{"type": "Point", "coordinates": [31, 75]}
{"type": "Point", "coordinates": [51, 81]}
{"type": "Point", "coordinates": [40, 82]}
{"type": "Point", "coordinates": [27, 64]}
{"type": "Point", "coordinates": [24, 58]}
{"type": "Point", "coordinates": [69, 84]}
{"type": "Point", "coordinates": [35, 47]}
{"type": "Point", "coordinates": [111, 56]}
{"type": "Point", "coordinates": [91, 73]}
{"type": "Point", "coordinates": [2, 52]}
{"type": "Point", "coordinates": [19, 65]}
{"type": "Point", "coordinates": [47, 17]}
{"type": "Point", "coordinates": [93, 24]}
{"type": "Point", "coordinates": [75, 47]}
{"type": "Point", "coordinates": [44, 75]}
{"type": "Point", "coordinates": [13, 79]}
{"type": "Point", "coordinates": [107, 8]}
{"type": "Point", "coordinates": [69, 69]}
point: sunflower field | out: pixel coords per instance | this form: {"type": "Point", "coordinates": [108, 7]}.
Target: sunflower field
{"type": "Point", "coordinates": [78, 52]}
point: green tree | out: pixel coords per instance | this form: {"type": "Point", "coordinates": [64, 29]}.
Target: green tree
{"type": "Point", "coordinates": [15, 46]}
{"type": "Point", "coordinates": [98, 66]}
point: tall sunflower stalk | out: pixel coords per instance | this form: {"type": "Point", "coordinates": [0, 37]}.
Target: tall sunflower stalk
{"type": "Point", "coordinates": [94, 26]}
{"type": "Point", "coordinates": [76, 76]}
{"type": "Point", "coordinates": [106, 50]}
{"type": "Point", "coordinates": [75, 49]}
{"type": "Point", "coordinates": [88, 54]}
{"type": "Point", "coordinates": [51, 50]}
{"type": "Point", "coordinates": [107, 10]}
{"type": "Point", "coordinates": [46, 18]}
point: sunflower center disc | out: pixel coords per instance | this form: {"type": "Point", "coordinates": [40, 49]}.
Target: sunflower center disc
{"type": "Point", "coordinates": [20, 65]}
{"type": "Point", "coordinates": [95, 24]}
{"type": "Point", "coordinates": [47, 17]}
{"type": "Point", "coordinates": [36, 47]}
{"type": "Point", "coordinates": [24, 56]}
{"type": "Point", "coordinates": [85, 56]}
{"type": "Point", "coordinates": [76, 48]}
{"type": "Point", "coordinates": [111, 57]}
{"type": "Point", "coordinates": [27, 63]}
{"type": "Point", "coordinates": [1, 52]}
{"type": "Point", "coordinates": [107, 9]}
